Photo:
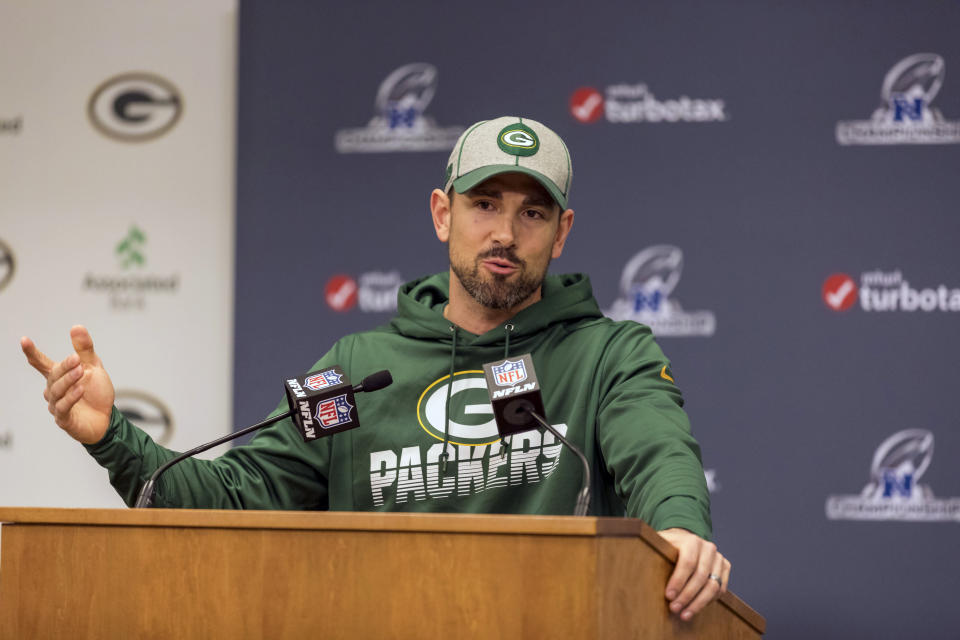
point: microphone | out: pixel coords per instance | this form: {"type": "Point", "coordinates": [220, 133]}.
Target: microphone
{"type": "Point", "coordinates": [518, 406]}
{"type": "Point", "coordinates": [308, 396]}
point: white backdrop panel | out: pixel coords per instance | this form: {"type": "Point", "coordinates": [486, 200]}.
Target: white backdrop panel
{"type": "Point", "coordinates": [70, 196]}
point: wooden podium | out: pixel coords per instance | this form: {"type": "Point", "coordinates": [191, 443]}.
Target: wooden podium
{"type": "Point", "coordinates": [158, 573]}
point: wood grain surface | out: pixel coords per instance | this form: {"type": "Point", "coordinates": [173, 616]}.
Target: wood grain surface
{"type": "Point", "coordinates": [105, 573]}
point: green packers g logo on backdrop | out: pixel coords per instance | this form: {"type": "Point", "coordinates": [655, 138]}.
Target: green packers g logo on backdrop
{"type": "Point", "coordinates": [471, 415]}
{"type": "Point", "coordinates": [518, 140]}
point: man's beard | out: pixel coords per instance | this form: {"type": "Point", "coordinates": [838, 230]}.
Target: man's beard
{"type": "Point", "coordinates": [494, 291]}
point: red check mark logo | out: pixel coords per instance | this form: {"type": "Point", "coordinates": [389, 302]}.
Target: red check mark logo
{"type": "Point", "coordinates": [839, 292]}
{"type": "Point", "coordinates": [341, 293]}
{"type": "Point", "coordinates": [586, 104]}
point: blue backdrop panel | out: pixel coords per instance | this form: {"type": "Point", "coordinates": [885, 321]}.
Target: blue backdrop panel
{"type": "Point", "coordinates": [732, 166]}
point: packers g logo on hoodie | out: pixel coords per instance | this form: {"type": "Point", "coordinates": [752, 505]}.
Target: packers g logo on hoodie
{"type": "Point", "coordinates": [471, 415]}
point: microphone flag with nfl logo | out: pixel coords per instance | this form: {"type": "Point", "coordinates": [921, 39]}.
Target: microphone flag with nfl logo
{"type": "Point", "coordinates": [514, 393]}
{"type": "Point", "coordinates": [321, 403]}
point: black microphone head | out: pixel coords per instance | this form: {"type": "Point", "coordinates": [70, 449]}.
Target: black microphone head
{"type": "Point", "coordinates": [375, 381]}
{"type": "Point", "coordinates": [514, 393]}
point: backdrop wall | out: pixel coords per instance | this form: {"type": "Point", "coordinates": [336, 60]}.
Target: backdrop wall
{"type": "Point", "coordinates": [116, 211]}
{"type": "Point", "coordinates": [771, 186]}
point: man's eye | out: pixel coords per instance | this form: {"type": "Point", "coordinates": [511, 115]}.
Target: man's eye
{"type": "Point", "coordinates": [533, 213]}
{"type": "Point", "coordinates": [484, 205]}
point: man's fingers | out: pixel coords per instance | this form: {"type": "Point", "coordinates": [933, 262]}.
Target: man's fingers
{"type": "Point", "coordinates": [686, 565]}
{"type": "Point", "coordinates": [83, 344]}
{"type": "Point", "coordinates": [706, 560]}
{"type": "Point", "coordinates": [725, 575]}
{"type": "Point", "coordinates": [62, 367]}
{"type": "Point", "coordinates": [710, 590]}
{"type": "Point", "coordinates": [59, 387]}
{"type": "Point", "coordinates": [61, 410]}
{"type": "Point", "coordinates": [37, 359]}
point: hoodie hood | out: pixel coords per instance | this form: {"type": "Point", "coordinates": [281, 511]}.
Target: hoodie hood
{"type": "Point", "coordinates": [565, 298]}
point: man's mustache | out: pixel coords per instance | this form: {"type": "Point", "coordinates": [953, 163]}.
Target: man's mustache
{"type": "Point", "coordinates": [504, 253]}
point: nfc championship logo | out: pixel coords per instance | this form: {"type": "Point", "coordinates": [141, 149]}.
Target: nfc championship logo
{"type": "Point", "coordinates": [147, 412]}
{"type": "Point", "coordinates": [646, 287]}
{"type": "Point", "coordinates": [894, 491]}
{"type": "Point", "coordinates": [400, 123]}
{"type": "Point", "coordinates": [135, 107]}
{"type": "Point", "coordinates": [509, 373]}
{"type": "Point", "coordinates": [7, 265]}
{"type": "Point", "coordinates": [322, 380]}
{"type": "Point", "coordinates": [905, 115]}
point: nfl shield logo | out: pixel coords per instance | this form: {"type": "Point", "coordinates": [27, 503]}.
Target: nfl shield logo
{"type": "Point", "coordinates": [334, 412]}
{"type": "Point", "coordinates": [322, 380]}
{"type": "Point", "coordinates": [509, 373]}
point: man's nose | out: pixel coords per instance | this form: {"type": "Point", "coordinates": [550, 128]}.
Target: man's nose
{"type": "Point", "coordinates": [503, 230]}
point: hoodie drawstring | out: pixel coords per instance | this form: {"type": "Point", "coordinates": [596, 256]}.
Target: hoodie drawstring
{"type": "Point", "coordinates": [446, 427]}
{"type": "Point", "coordinates": [507, 330]}
{"type": "Point", "coordinates": [444, 456]}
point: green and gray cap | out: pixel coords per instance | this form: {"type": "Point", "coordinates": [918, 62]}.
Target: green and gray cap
{"type": "Point", "coordinates": [507, 145]}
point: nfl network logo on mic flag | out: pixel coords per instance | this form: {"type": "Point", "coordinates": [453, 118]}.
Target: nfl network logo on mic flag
{"type": "Point", "coordinates": [509, 373]}
{"type": "Point", "coordinates": [334, 412]}
{"type": "Point", "coordinates": [322, 380]}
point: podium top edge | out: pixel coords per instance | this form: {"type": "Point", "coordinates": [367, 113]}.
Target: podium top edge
{"type": "Point", "coordinates": [329, 520]}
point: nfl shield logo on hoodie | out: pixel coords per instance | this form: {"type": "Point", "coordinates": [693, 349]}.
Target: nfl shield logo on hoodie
{"type": "Point", "coordinates": [509, 373]}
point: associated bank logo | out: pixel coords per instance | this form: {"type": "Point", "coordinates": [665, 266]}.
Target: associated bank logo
{"type": "Point", "coordinates": [135, 107]}
{"type": "Point", "coordinates": [8, 265]}
{"type": "Point", "coordinates": [894, 491]}
{"type": "Point", "coordinates": [646, 287]}
{"type": "Point", "coordinates": [399, 123]}
{"type": "Point", "coordinates": [147, 412]}
{"type": "Point", "coordinates": [129, 288]}
{"type": "Point", "coordinates": [627, 103]}
{"type": "Point", "coordinates": [129, 250]}
{"type": "Point", "coordinates": [471, 414]}
{"type": "Point", "coordinates": [374, 292]}
{"type": "Point", "coordinates": [11, 126]}
{"type": "Point", "coordinates": [881, 291]}
{"type": "Point", "coordinates": [905, 115]}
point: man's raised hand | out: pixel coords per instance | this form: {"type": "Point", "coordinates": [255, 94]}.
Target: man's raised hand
{"type": "Point", "coordinates": [79, 393]}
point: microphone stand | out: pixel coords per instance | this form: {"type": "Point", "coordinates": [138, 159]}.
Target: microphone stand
{"type": "Point", "coordinates": [145, 499]}
{"type": "Point", "coordinates": [583, 498]}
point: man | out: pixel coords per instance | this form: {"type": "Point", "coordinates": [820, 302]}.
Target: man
{"type": "Point", "coordinates": [503, 212]}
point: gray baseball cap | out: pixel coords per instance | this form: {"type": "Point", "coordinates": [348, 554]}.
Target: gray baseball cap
{"type": "Point", "coordinates": [510, 145]}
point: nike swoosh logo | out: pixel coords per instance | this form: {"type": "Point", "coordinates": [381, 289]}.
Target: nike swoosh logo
{"type": "Point", "coordinates": [663, 374]}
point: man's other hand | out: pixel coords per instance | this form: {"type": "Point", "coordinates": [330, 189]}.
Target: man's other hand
{"type": "Point", "coordinates": [691, 586]}
{"type": "Point", "coordinates": [79, 393]}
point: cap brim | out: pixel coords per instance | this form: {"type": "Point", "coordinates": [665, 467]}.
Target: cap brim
{"type": "Point", "coordinates": [470, 180]}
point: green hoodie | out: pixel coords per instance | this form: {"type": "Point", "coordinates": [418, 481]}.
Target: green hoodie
{"type": "Point", "coordinates": [606, 385]}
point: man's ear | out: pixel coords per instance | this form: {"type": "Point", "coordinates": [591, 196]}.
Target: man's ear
{"type": "Point", "coordinates": [563, 230]}
{"type": "Point", "coordinates": [440, 211]}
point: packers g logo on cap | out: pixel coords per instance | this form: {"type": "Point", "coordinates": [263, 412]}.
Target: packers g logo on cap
{"type": "Point", "coordinates": [518, 140]}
